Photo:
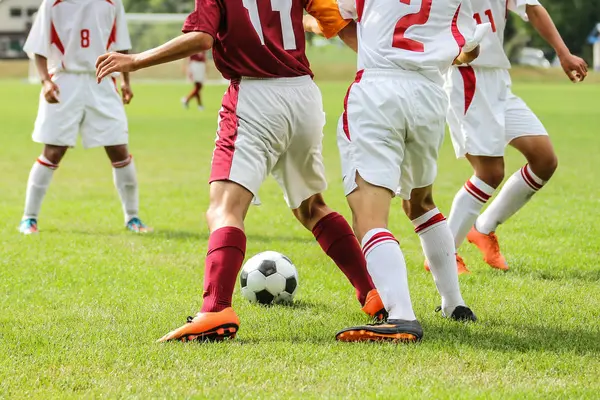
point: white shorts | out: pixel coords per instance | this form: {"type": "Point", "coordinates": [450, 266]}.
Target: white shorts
{"type": "Point", "coordinates": [272, 126]}
{"type": "Point", "coordinates": [484, 115]}
{"type": "Point", "coordinates": [93, 110]}
{"type": "Point", "coordinates": [197, 71]}
{"type": "Point", "coordinates": [391, 130]}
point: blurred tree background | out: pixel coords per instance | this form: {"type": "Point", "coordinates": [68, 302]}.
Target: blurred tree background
{"type": "Point", "coordinates": [574, 19]}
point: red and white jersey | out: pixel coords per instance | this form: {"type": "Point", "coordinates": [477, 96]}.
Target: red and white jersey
{"type": "Point", "coordinates": [495, 12]}
{"type": "Point", "coordinates": [72, 34]}
{"type": "Point", "coordinates": [261, 38]}
{"type": "Point", "coordinates": [414, 35]}
{"type": "Point", "coordinates": [199, 57]}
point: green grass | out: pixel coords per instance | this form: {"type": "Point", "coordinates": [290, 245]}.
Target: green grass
{"type": "Point", "coordinates": [83, 302]}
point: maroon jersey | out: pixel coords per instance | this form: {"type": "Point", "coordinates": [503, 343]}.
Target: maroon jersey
{"type": "Point", "coordinates": [200, 57]}
{"type": "Point", "coordinates": [260, 38]}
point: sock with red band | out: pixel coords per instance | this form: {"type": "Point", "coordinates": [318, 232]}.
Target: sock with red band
{"type": "Point", "coordinates": [515, 193]}
{"type": "Point", "coordinates": [438, 246]}
{"type": "Point", "coordinates": [387, 268]}
{"type": "Point", "coordinates": [226, 251]}
{"type": "Point", "coordinates": [37, 185]}
{"type": "Point", "coordinates": [466, 207]}
{"type": "Point", "coordinates": [125, 179]}
{"type": "Point", "coordinates": [338, 241]}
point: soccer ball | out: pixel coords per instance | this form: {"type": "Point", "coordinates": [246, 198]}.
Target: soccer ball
{"type": "Point", "coordinates": [269, 277]}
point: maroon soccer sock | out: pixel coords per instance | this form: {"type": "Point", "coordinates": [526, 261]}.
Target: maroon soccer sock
{"type": "Point", "coordinates": [226, 251]}
{"type": "Point", "coordinates": [339, 242]}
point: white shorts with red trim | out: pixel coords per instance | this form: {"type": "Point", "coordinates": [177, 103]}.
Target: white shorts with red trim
{"type": "Point", "coordinates": [484, 115]}
{"type": "Point", "coordinates": [197, 71]}
{"type": "Point", "coordinates": [272, 126]}
{"type": "Point", "coordinates": [93, 110]}
{"type": "Point", "coordinates": [391, 130]}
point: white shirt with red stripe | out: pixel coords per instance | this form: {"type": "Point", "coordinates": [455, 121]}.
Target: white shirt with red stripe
{"type": "Point", "coordinates": [414, 35]}
{"type": "Point", "coordinates": [72, 34]}
{"type": "Point", "coordinates": [492, 53]}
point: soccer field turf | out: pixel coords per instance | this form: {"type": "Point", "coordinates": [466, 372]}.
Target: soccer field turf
{"type": "Point", "coordinates": [84, 301]}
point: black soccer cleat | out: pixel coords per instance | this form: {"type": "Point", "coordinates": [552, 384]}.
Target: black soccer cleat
{"type": "Point", "coordinates": [393, 330]}
{"type": "Point", "coordinates": [460, 313]}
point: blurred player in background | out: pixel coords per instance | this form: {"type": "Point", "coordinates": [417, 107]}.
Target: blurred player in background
{"type": "Point", "coordinates": [485, 116]}
{"type": "Point", "coordinates": [67, 37]}
{"type": "Point", "coordinates": [389, 137]}
{"type": "Point", "coordinates": [271, 122]}
{"type": "Point", "coordinates": [196, 70]}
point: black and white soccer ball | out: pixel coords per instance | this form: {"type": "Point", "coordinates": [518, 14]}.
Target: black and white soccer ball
{"type": "Point", "coordinates": [269, 277]}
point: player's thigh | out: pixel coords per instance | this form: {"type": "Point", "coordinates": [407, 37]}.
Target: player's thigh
{"type": "Point", "coordinates": [370, 137]}
{"type": "Point", "coordinates": [476, 110]}
{"type": "Point", "coordinates": [300, 171]}
{"type": "Point", "coordinates": [521, 121]}
{"type": "Point", "coordinates": [105, 121]}
{"type": "Point", "coordinates": [59, 124]}
{"type": "Point", "coordinates": [424, 138]}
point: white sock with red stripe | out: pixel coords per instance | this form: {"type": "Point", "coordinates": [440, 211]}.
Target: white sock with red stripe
{"type": "Point", "coordinates": [438, 246]}
{"type": "Point", "coordinates": [125, 179]}
{"type": "Point", "coordinates": [37, 185]}
{"type": "Point", "coordinates": [387, 268]}
{"type": "Point", "coordinates": [466, 207]}
{"type": "Point", "coordinates": [515, 193]}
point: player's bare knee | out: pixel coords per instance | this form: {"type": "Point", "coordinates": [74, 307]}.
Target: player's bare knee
{"type": "Point", "coordinates": [117, 153]}
{"type": "Point", "coordinates": [492, 174]}
{"type": "Point", "coordinates": [54, 154]}
{"type": "Point", "coordinates": [544, 165]}
{"type": "Point", "coordinates": [311, 211]}
{"type": "Point", "coordinates": [421, 202]}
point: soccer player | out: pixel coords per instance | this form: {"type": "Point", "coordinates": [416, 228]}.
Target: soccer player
{"type": "Point", "coordinates": [67, 37]}
{"type": "Point", "coordinates": [196, 69]}
{"type": "Point", "coordinates": [389, 137]}
{"type": "Point", "coordinates": [271, 121]}
{"type": "Point", "coordinates": [485, 116]}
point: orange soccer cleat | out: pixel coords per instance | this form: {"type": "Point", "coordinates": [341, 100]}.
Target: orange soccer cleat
{"type": "Point", "coordinates": [205, 327]}
{"type": "Point", "coordinates": [460, 266]}
{"type": "Point", "coordinates": [374, 306]}
{"type": "Point", "coordinates": [394, 330]}
{"type": "Point", "coordinates": [489, 247]}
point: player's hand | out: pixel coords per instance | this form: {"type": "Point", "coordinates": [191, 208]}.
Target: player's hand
{"type": "Point", "coordinates": [575, 67]}
{"type": "Point", "coordinates": [126, 93]}
{"type": "Point", "coordinates": [311, 25]}
{"type": "Point", "coordinates": [50, 91]}
{"type": "Point", "coordinates": [114, 62]}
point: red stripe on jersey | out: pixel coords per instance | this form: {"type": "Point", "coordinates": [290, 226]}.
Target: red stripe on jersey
{"type": "Point", "coordinates": [378, 238]}
{"type": "Point", "coordinates": [470, 83]}
{"type": "Point", "coordinates": [227, 135]}
{"type": "Point", "coordinates": [359, 75]}
{"type": "Point", "coordinates": [112, 38]}
{"type": "Point", "coordinates": [458, 36]}
{"type": "Point", "coordinates": [110, 1]}
{"type": "Point", "coordinates": [55, 40]}
{"type": "Point", "coordinates": [114, 81]}
{"type": "Point", "coordinates": [528, 179]}
{"type": "Point", "coordinates": [480, 193]}
{"type": "Point", "coordinates": [57, 2]}
{"type": "Point", "coordinates": [360, 6]}
{"type": "Point", "coordinates": [436, 219]}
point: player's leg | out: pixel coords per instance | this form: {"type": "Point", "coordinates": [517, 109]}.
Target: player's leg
{"type": "Point", "coordinates": [194, 94]}
{"type": "Point", "coordinates": [523, 184]}
{"type": "Point", "coordinates": [199, 95]}
{"type": "Point", "coordinates": [438, 246]}
{"type": "Point", "coordinates": [40, 177]}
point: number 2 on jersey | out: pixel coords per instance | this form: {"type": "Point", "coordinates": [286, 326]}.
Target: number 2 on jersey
{"type": "Point", "coordinates": [419, 18]}
{"type": "Point", "coordinates": [85, 38]}
{"type": "Point", "coordinates": [284, 7]}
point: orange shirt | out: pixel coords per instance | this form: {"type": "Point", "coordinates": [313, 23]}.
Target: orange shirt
{"type": "Point", "coordinates": [327, 13]}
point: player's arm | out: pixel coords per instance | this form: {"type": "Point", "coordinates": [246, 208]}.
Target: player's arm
{"type": "Point", "coordinates": [126, 92]}
{"type": "Point", "coordinates": [49, 88]}
{"type": "Point", "coordinates": [575, 67]}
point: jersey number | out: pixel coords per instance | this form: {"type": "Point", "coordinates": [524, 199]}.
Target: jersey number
{"type": "Point", "coordinates": [284, 7]}
{"type": "Point", "coordinates": [418, 18]}
{"type": "Point", "coordinates": [488, 13]}
{"type": "Point", "coordinates": [85, 38]}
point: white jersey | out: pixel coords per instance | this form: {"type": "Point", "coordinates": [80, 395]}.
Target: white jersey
{"type": "Point", "coordinates": [413, 35]}
{"type": "Point", "coordinates": [492, 53]}
{"type": "Point", "coordinates": [72, 34]}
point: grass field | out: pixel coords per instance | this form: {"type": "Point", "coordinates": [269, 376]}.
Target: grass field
{"type": "Point", "coordinates": [84, 301]}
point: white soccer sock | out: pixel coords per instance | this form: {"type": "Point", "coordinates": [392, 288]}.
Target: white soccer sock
{"type": "Point", "coordinates": [515, 193]}
{"type": "Point", "coordinates": [37, 185]}
{"type": "Point", "coordinates": [438, 246]}
{"type": "Point", "coordinates": [125, 179]}
{"type": "Point", "coordinates": [386, 265]}
{"type": "Point", "coordinates": [466, 207]}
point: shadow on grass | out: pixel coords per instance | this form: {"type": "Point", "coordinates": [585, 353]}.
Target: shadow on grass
{"type": "Point", "coordinates": [203, 236]}
{"type": "Point", "coordinates": [521, 338]}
